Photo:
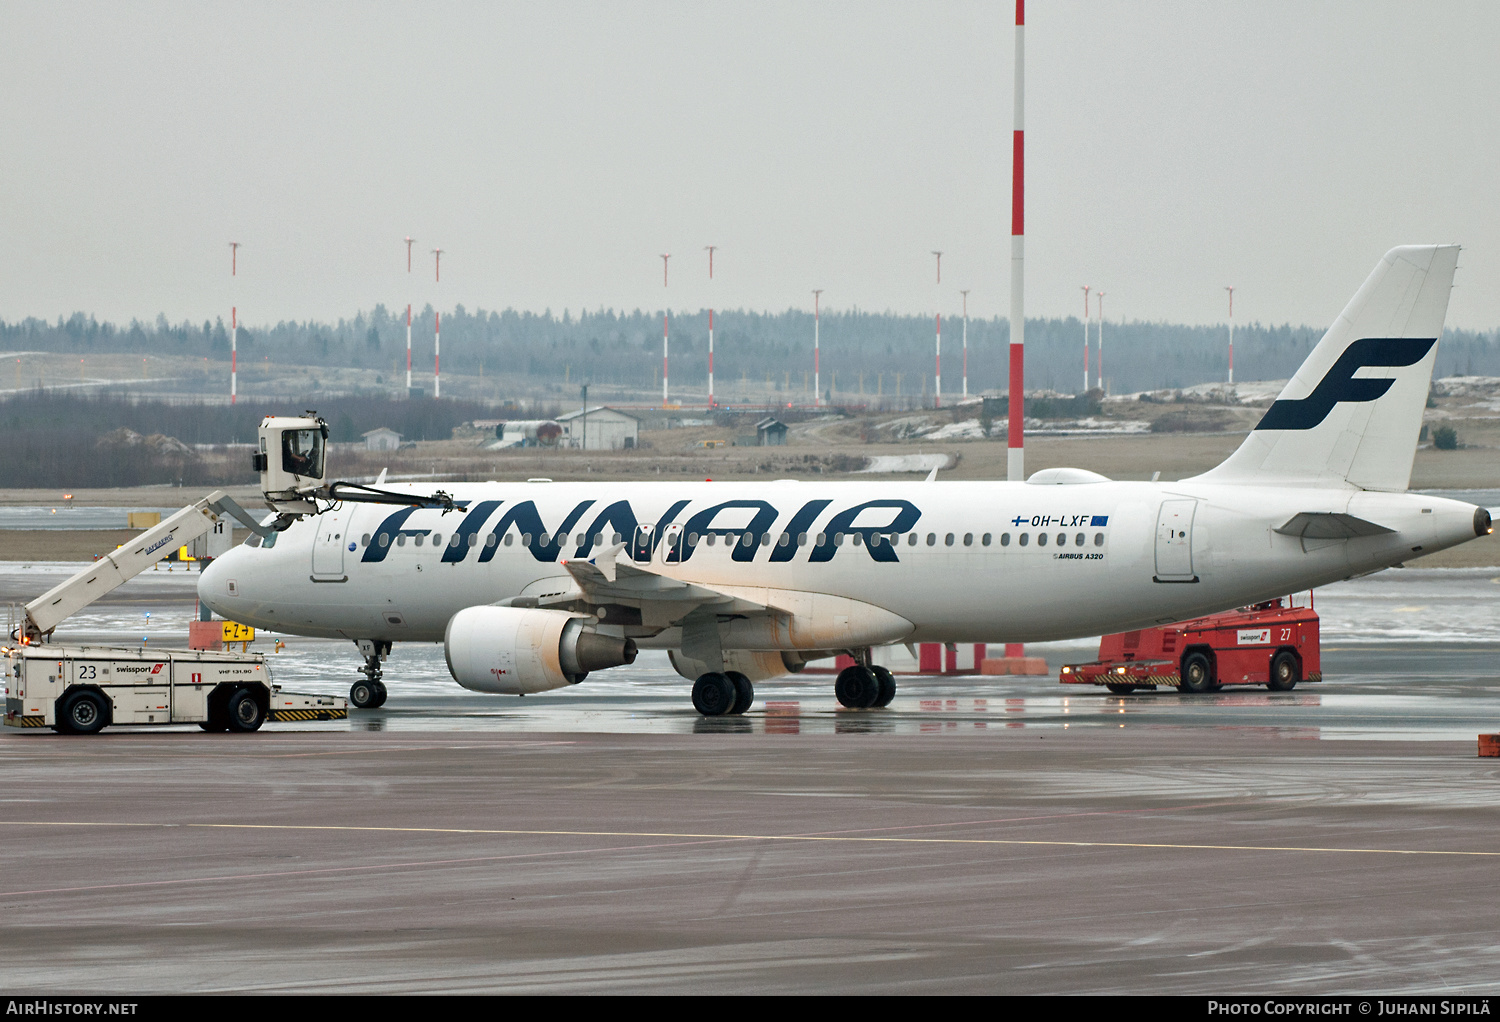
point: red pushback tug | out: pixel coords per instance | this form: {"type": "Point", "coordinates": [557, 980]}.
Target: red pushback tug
{"type": "Point", "coordinates": [1273, 644]}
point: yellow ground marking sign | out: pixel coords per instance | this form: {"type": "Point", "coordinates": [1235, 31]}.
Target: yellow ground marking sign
{"type": "Point", "coordinates": [236, 632]}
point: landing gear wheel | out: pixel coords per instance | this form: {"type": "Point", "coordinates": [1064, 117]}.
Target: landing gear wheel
{"type": "Point", "coordinates": [714, 694]}
{"type": "Point", "coordinates": [370, 693]}
{"type": "Point", "coordinates": [1120, 690]}
{"type": "Point", "coordinates": [245, 712]}
{"type": "Point", "coordinates": [857, 687]}
{"type": "Point", "coordinates": [83, 713]}
{"type": "Point", "coordinates": [1197, 674]}
{"type": "Point", "coordinates": [1284, 672]}
{"type": "Point", "coordinates": [887, 682]}
{"type": "Point", "coordinates": [744, 692]}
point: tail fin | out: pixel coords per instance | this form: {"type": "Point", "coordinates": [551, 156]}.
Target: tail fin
{"type": "Point", "coordinates": [1352, 413]}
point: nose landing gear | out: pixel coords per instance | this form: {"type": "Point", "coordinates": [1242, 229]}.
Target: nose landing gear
{"type": "Point", "coordinates": [370, 693]}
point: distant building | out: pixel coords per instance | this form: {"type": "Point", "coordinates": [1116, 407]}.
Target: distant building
{"type": "Point", "coordinates": [600, 429]}
{"type": "Point", "coordinates": [382, 439]}
{"type": "Point", "coordinates": [770, 432]}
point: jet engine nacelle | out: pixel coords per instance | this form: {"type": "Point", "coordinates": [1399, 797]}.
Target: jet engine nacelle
{"type": "Point", "coordinates": [515, 650]}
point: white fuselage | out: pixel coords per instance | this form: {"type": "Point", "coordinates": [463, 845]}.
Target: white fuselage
{"type": "Point", "coordinates": [1116, 555]}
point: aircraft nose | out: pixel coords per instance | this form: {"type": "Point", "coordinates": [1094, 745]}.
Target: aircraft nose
{"type": "Point", "coordinates": [213, 581]}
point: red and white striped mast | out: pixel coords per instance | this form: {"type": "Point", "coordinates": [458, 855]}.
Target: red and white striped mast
{"type": "Point", "coordinates": [1100, 296]}
{"type": "Point", "coordinates": [666, 317]}
{"type": "Point", "coordinates": [1015, 454]}
{"type": "Point", "coordinates": [1015, 441]}
{"type": "Point", "coordinates": [710, 249]}
{"type": "Point", "coordinates": [409, 240]}
{"type": "Point", "coordinates": [966, 342]}
{"type": "Point", "coordinates": [817, 393]}
{"type": "Point", "coordinates": [1085, 337]}
{"type": "Point", "coordinates": [234, 326]}
{"type": "Point", "coordinates": [437, 330]}
{"type": "Point", "coordinates": [937, 378]}
{"type": "Point", "coordinates": [1230, 289]}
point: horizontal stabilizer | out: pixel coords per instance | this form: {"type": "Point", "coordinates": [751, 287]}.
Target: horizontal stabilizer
{"type": "Point", "coordinates": [1330, 525]}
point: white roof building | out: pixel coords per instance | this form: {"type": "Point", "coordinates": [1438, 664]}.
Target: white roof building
{"type": "Point", "coordinates": [600, 428]}
{"type": "Point", "coordinates": [382, 439]}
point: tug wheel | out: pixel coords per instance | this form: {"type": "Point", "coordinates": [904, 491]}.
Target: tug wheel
{"type": "Point", "coordinates": [1197, 674]}
{"type": "Point", "coordinates": [83, 713]}
{"type": "Point", "coordinates": [1284, 672]}
{"type": "Point", "coordinates": [245, 712]}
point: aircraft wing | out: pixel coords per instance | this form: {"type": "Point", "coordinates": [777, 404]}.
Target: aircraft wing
{"type": "Point", "coordinates": [634, 586]}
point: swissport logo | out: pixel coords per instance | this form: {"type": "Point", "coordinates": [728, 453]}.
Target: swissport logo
{"type": "Point", "coordinates": [1339, 383]}
{"type": "Point", "coordinates": [1250, 637]}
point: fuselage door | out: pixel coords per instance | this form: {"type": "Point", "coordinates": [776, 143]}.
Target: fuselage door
{"type": "Point", "coordinates": [671, 543]}
{"type": "Point", "coordinates": [1174, 541]}
{"type": "Point", "coordinates": [640, 543]}
{"type": "Point", "coordinates": [330, 541]}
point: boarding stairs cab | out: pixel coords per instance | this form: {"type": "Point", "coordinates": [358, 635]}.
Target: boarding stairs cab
{"type": "Point", "coordinates": [82, 689]}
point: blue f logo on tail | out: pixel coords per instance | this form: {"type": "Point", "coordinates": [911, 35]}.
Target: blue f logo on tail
{"type": "Point", "coordinates": [1339, 383]}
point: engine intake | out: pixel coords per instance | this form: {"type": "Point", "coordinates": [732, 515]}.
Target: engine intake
{"type": "Point", "coordinates": [515, 650]}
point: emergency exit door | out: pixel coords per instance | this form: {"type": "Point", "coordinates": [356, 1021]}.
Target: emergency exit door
{"type": "Point", "coordinates": [1174, 541]}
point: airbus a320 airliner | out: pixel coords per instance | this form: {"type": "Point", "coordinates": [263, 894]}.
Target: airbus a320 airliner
{"type": "Point", "coordinates": [532, 586]}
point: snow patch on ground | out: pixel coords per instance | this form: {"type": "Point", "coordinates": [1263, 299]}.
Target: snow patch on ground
{"type": "Point", "coordinates": [908, 462]}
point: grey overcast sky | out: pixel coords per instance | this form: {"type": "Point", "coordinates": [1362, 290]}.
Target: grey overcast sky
{"type": "Point", "coordinates": [553, 150]}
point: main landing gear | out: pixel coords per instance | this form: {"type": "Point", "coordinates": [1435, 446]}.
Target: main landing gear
{"type": "Point", "coordinates": [717, 694]}
{"type": "Point", "coordinates": [860, 687]}
{"type": "Point", "coordinates": [729, 693]}
{"type": "Point", "coordinates": [370, 693]}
